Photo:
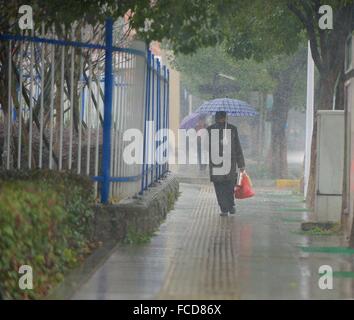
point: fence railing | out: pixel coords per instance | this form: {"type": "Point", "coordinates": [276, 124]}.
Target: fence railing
{"type": "Point", "coordinates": [68, 103]}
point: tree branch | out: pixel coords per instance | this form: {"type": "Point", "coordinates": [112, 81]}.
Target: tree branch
{"type": "Point", "coordinates": [311, 33]}
{"type": "Point", "coordinates": [322, 33]}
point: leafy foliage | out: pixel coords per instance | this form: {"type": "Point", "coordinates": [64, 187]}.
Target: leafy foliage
{"type": "Point", "coordinates": [261, 29]}
{"type": "Point", "coordinates": [201, 74]}
{"type": "Point", "coordinates": [253, 29]}
{"type": "Point", "coordinates": [45, 222]}
{"type": "Point", "coordinates": [134, 237]}
{"type": "Point", "coordinates": [320, 229]}
{"type": "Point", "coordinates": [65, 12]}
{"type": "Point", "coordinates": [186, 24]}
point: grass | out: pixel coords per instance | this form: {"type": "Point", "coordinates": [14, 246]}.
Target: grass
{"type": "Point", "coordinates": [320, 228]}
{"type": "Point", "coordinates": [134, 237]}
{"type": "Point", "coordinates": [171, 199]}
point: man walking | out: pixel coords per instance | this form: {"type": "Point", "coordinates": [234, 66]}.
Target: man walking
{"type": "Point", "coordinates": [229, 151]}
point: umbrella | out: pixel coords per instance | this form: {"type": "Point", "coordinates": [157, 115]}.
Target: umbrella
{"type": "Point", "coordinates": [190, 121]}
{"type": "Point", "coordinates": [232, 107]}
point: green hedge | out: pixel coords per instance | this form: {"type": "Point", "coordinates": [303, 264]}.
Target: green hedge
{"type": "Point", "coordinates": [46, 222]}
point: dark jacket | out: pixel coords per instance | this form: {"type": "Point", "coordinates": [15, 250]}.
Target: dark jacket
{"type": "Point", "coordinates": [237, 159]}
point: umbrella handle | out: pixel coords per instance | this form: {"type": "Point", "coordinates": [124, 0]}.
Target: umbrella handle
{"type": "Point", "coordinates": [239, 179]}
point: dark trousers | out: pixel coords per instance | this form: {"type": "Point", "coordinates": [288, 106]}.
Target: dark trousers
{"type": "Point", "coordinates": [225, 194]}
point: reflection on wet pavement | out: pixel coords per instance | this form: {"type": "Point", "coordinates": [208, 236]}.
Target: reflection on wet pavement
{"type": "Point", "coordinates": [196, 254]}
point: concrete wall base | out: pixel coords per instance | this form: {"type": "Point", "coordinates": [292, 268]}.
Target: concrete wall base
{"type": "Point", "coordinates": [128, 221]}
{"type": "Point", "coordinates": [140, 215]}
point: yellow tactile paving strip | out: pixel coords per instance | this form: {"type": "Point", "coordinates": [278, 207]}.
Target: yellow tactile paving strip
{"type": "Point", "coordinates": [205, 267]}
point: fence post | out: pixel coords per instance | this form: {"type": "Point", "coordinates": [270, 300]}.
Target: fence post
{"type": "Point", "coordinates": [153, 116]}
{"type": "Point", "coordinates": [107, 123]}
{"type": "Point", "coordinates": [168, 115]}
{"type": "Point", "coordinates": [147, 145]}
{"type": "Point", "coordinates": [146, 117]}
{"type": "Point", "coordinates": [164, 115]}
{"type": "Point", "coordinates": [158, 114]}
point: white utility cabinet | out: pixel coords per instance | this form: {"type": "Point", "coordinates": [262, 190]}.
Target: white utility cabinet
{"type": "Point", "coordinates": [330, 163]}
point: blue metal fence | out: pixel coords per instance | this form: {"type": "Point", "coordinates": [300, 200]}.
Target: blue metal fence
{"type": "Point", "coordinates": [71, 121]}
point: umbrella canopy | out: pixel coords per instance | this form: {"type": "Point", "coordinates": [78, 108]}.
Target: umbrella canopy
{"type": "Point", "coordinates": [232, 107]}
{"type": "Point", "coordinates": [191, 120]}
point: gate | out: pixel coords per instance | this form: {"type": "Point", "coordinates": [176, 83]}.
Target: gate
{"type": "Point", "coordinates": [68, 104]}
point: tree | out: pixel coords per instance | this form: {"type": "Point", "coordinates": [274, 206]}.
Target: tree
{"type": "Point", "coordinates": [65, 12]}
{"type": "Point", "coordinates": [199, 71]}
{"type": "Point", "coordinates": [274, 29]}
{"type": "Point", "coordinates": [279, 75]}
{"type": "Point", "coordinates": [250, 31]}
{"type": "Point", "coordinates": [288, 72]}
{"type": "Point", "coordinates": [328, 52]}
{"type": "Point", "coordinates": [53, 13]}
{"type": "Point", "coordinates": [65, 17]}
{"type": "Point", "coordinates": [261, 29]}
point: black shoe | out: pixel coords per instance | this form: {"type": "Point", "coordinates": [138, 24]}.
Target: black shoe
{"type": "Point", "coordinates": [232, 211]}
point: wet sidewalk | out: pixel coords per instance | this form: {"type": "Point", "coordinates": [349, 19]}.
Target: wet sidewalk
{"type": "Point", "coordinates": [196, 254]}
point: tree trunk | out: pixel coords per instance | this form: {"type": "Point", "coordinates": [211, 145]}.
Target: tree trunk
{"type": "Point", "coordinates": [328, 55]}
{"type": "Point", "coordinates": [340, 90]}
{"type": "Point", "coordinates": [278, 157]}
{"type": "Point", "coordinates": [281, 106]}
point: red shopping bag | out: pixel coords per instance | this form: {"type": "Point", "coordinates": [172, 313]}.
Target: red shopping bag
{"type": "Point", "coordinates": [244, 190]}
